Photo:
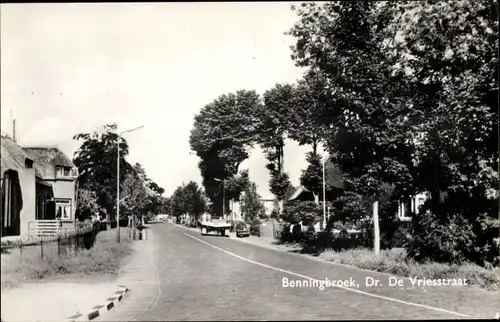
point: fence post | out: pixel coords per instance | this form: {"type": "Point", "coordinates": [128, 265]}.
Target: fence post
{"type": "Point", "coordinates": [59, 245]}
{"type": "Point", "coordinates": [76, 243]}
{"type": "Point", "coordinates": [41, 248]}
{"type": "Point", "coordinates": [69, 244]}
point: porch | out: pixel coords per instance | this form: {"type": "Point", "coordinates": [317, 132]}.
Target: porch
{"type": "Point", "coordinates": [48, 227]}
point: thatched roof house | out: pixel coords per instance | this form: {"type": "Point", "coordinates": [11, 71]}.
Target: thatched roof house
{"type": "Point", "coordinates": [47, 159]}
{"type": "Point", "coordinates": [13, 157]}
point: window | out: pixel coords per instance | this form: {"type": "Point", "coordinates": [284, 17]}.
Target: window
{"type": "Point", "coordinates": [63, 209]}
{"type": "Point", "coordinates": [63, 172]}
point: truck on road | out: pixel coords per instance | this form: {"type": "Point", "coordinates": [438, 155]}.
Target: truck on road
{"type": "Point", "coordinates": [218, 225]}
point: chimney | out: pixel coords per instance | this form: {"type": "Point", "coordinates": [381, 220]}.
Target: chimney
{"type": "Point", "coordinates": [14, 131]}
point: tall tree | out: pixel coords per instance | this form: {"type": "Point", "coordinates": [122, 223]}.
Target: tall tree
{"type": "Point", "coordinates": [133, 196]}
{"type": "Point", "coordinates": [96, 161]}
{"type": "Point", "coordinates": [310, 97]}
{"type": "Point", "coordinates": [223, 132]}
{"type": "Point", "coordinates": [451, 49]}
{"type": "Point", "coordinates": [369, 116]}
{"type": "Point", "coordinates": [272, 129]}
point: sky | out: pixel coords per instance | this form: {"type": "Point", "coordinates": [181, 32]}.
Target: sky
{"type": "Point", "coordinates": [72, 68]}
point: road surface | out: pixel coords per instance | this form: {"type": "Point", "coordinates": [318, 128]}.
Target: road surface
{"type": "Point", "coordinates": [216, 278]}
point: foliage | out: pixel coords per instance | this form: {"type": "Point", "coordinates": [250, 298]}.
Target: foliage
{"type": "Point", "coordinates": [280, 185]}
{"type": "Point", "coordinates": [251, 206]}
{"type": "Point", "coordinates": [188, 199]}
{"type": "Point", "coordinates": [454, 50]}
{"type": "Point", "coordinates": [310, 96]}
{"type": "Point", "coordinates": [87, 204]}
{"type": "Point", "coordinates": [414, 92]}
{"type": "Point", "coordinates": [351, 207]}
{"type": "Point", "coordinates": [272, 128]}
{"type": "Point", "coordinates": [301, 211]}
{"type": "Point", "coordinates": [96, 161]}
{"type": "Point", "coordinates": [133, 195]}
{"type": "Point", "coordinates": [222, 132]}
{"type": "Point", "coordinates": [103, 258]}
{"type": "Point", "coordinates": [236, 185]}
{"type": "Point", "coordinates": [398, 264]}
{"type": "Point", "coordinates": [312, 176]}
{"type": "Point", "coordinates": [366, 110]}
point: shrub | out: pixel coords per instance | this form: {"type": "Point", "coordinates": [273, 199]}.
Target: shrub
{"type": "Point", "coordinates": [397, 263]}
{"type": "Point", "coordinates": [444, 240]}
{"type": "Point", "coordinates": [342, 241]}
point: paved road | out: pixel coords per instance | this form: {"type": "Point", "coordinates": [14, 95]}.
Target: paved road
{"type": "Point", "coordinates": [217, 278]}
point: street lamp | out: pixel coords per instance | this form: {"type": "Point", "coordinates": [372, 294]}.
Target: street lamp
{"type": "Point", "coordinates": [223, 195]}
{"type": "Point", "coordinates": [118, 181]}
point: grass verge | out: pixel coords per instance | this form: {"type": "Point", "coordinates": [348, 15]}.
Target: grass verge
{"type": "Point", "coordinates": [103, 258]}
{"type": "Point", "coordinates": [397, 264]}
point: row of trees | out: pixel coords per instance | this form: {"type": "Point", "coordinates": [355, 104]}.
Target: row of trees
{"type": "Point", "coordinates": [404, 97]}
{"type": "Point", "coordinates": [191, 199]}
{"type": "Point", "coordinates": [96, 160]}
{"type": "Point", "coordinates": [187, 199]}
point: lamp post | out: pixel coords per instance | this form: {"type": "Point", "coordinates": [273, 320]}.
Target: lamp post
{"type": "Point", "coordinates": [223, 195]}
{"type": "Point", "coordinates": [118, 181]}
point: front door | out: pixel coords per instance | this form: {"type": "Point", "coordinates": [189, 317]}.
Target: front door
{"type": "Point", "coordinates": [12, 204]}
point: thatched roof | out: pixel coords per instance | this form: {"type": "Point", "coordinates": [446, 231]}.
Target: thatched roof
{"type": "Point", "coordinates": [47, 158]}
{"type": "Point", "coordinates": [13, 157]}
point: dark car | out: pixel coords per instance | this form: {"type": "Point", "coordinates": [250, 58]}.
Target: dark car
{"type": "Point", "coordinates": [242, 230]}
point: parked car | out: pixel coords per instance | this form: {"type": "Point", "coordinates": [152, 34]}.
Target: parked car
{"type": "Point", "coordinates": [242, 230]}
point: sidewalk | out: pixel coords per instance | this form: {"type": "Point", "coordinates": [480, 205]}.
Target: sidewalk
{"type": "Point", "coordinates": [140, 276]}
{"type": "Point", "coordinates": [55, 300]}
{"type": "Point", "coordinates": [52, 301]}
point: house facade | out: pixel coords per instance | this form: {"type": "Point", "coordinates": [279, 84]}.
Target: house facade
{"type": "Point", "coordinates": [18, 189]}
{"type": "Point", "coordinates": [57, 171]}
{"type": "Point", "coordinates": [405, 209]}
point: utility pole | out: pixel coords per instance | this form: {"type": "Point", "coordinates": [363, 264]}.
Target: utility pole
{"type": "Point", "coordinates": [376, 228]}
{"type": "Point", "coordinates": [118, 181]}
{"type": "Point", "coordinates": [324, 195]}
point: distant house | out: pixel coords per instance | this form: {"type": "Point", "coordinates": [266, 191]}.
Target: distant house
{"type": "Point", "coordinates": [18, 189]}
{"type": "Point", "coordinates": [59, 172]}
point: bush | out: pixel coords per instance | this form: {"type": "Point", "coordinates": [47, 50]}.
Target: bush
{"type": "Point", "coordinates": [397, 263]}
{"type": "Point", "coordinates": [301, 211]}
{"type": "Point", "coordinates": [443, 240]}
{"type": "Point", "coordinates": [342, 241]}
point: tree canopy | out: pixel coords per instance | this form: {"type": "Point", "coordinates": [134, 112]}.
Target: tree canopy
{"type": "Point", "coordinates": [96, 160]}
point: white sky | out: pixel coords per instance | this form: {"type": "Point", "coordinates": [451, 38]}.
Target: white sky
{"type": "Point", "coordinates": [71, 68]}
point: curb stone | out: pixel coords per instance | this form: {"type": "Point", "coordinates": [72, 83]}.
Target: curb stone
{"type": "Point", "coordinates": [105, 306]}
